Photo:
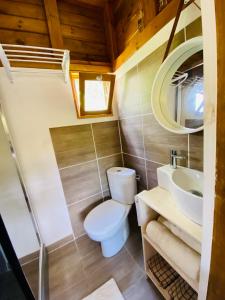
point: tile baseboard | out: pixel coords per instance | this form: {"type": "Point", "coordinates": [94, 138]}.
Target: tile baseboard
{"type": "Point", "coordinates": [60, 243]}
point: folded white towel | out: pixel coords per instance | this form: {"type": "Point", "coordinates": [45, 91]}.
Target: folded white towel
{"type": "Point", "coordinates": [176, 250]}
{"type": "Point", "coordinates": [190, 241]}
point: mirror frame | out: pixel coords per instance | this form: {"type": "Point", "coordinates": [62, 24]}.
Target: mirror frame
{"type": "Point", "coordinates": [162, 80]}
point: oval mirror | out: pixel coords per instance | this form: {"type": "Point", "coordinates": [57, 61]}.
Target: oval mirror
{"type": "Point", "coordinates": [177, 92]}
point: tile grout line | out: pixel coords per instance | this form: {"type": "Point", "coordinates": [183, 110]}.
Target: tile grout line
{"type": "Point", "coordinates": [89, 161]}
{"type": "Point", "coordinates": [84, 199]}
{"type": "Point", "coordinates": [143, 159]}
{"type": "Point", "coordinates": [99, 176]}
{"type": "Point", "coordinates": [134, 260]}
{"type": "Point", "coordinates": [63, 245]}
{"type": "Point", "coordinates": [135, 116]}
{"type": "Point", "coordinates": [188, 151]}
{"type": "Point", "coordinates": [121, 147]}
{"type": "Point", "coordinates": [143, 137]}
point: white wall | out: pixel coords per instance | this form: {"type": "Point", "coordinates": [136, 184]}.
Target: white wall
{"type": "Point", "coordinates": [33, 104]}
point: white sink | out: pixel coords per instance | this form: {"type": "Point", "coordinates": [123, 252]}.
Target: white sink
{"type": "Point", "coordinates": [186, 187]}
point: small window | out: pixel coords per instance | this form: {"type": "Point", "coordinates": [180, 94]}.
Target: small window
{"type": "Point", "coordinates": [93, 94]}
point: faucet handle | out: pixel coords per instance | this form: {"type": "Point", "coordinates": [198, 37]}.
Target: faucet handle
{"type": "Point", "coordinates": [173, 152]}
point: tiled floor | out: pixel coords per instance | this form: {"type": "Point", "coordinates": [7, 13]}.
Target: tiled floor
{"type": "Point", "coordinates": [77, 269]}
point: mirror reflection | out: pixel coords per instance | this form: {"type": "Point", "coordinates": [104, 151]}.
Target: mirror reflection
{"type": "Point", "coordinates": [185, 93]}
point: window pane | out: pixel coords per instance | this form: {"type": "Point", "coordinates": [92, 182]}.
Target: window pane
{"type": "Point", "coordinates": [96, 95]}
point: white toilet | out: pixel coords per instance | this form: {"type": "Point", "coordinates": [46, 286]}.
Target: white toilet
{"type": "Point", "coordinates": [108, 222]}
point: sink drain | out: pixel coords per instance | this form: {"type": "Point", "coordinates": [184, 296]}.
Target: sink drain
{"type": "Point", "coordinates": [196, 193]}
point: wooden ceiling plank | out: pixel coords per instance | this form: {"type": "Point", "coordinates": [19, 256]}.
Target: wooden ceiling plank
{"type": "Point", "coordinates": [23, 24]}
{"type": "Point", "coordinates": [23, 9]}
{"type": "Point", "coordinates": [54, 28]}
{"type": "Point", "coordinates": [110, 33]}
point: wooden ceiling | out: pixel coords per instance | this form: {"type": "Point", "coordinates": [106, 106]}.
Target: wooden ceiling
{"type": "Point", "coordinates": [100, 34]}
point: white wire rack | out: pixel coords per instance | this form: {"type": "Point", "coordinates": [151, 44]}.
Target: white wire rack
{"type": "Point", "coordinates": [35, 55]}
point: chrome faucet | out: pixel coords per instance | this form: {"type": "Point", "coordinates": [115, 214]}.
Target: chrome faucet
{"type": "Point", "coordinates": [174, 157]}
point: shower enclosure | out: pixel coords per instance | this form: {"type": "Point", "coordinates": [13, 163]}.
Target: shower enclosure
{"type": "Point", "coordinates": [22, 253]}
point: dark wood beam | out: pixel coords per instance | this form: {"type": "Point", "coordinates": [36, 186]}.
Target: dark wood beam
{"type": "Point", "coordinates": [110, 33]}
{"type": "Point", "coordinates": [54, 27]}
{"type": "Point", "coordinates": [179, 10]}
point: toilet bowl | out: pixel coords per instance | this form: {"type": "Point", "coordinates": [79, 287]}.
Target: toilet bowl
{"type": "Point", "coordinates": [108, 222]}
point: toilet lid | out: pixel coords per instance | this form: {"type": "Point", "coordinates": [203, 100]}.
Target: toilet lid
{"type": "Point", "coordinates": [104, 217]}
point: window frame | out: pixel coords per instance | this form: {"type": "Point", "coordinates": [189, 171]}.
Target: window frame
{"type": "Point", "coordinates": [80, 103]}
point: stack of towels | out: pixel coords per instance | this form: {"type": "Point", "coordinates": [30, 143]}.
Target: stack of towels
{"type": "Point", "coordinates": [181, 249]}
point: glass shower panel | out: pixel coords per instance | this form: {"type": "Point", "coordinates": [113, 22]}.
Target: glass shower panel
{"type": "Point", "coordinates": [16, 215]}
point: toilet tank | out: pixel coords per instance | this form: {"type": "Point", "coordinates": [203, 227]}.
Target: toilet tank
{"type": "Point", "coordinates": [122, 184]}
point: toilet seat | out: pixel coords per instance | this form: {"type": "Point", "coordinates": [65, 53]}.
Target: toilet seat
{"type": "Point", "coordinates": [104, 219]}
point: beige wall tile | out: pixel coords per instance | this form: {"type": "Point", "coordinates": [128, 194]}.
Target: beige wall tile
{"type": "Point", "coordinates": [105, 164]}
{"type": "Point", "coordinates": [79, 211]}
{"type": "Point", "coordinates": [159, 141]}
{"type": "Point", "coordinates": [107, 140]}
{"type": "Point", "coordinates": [72, 144]}
{"type": "Point", "coordinates": [128, 94]}
{"type": "Point", "coordinates": [152, 174]}
{"type": "Point", "coordinates": [80, 182]}
{"type": "Point", "coordinates": [131, 136]}
{"type": "Point", "coordinates": [196, 150]}
{"type": "Point", "coordinates": [137, 164]}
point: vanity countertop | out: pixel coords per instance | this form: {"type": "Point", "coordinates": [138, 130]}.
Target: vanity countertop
{"type": "Point", "coordinates": [161, 201]}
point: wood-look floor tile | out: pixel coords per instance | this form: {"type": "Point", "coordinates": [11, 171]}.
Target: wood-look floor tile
{"type": "Point", "coordinates": [31, 271]}
{"type": "Point", "coordinates": [134, 247]}
{"type": "Point", "coordinates": [105, 164]}
{"type": "Point", "coordinates": [65, 269]}
{"type": "Point", "coordinates": [79, 211]}
{"type": "Point", "coordinates": [72, 144]}
{"type": "Point", "coordinates": [85, 245]}
{"type": "Point", "coordinates": [107, 139]}
{"type": "Point", "coordinates": [73, 292]}
{"type": "Point", "coordinates": [119, 267]}
{"type": "Point", "coordinates": [142, 290]}
{"type": "Point", "coordinates": [131, 136]}
{"type": "Point", "coordinates": [80, 182]}
{"type": "Point", "coordinates": [159, 142]}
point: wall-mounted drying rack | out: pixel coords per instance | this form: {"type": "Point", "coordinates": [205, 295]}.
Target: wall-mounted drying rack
{"type": "Point", "coordinates": [25, 55]}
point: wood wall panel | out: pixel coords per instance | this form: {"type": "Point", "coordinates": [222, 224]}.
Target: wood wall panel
{"type": "Point", "coordinates": [216, 286]}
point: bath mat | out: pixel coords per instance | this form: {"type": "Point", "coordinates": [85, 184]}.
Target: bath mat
{"type": "Point", "coordinates": [108, 290]}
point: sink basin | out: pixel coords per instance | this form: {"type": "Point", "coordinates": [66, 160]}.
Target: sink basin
{"type": "Point", "coordinates": [186, 187]}
{"type": "Point", "coordinates": [187, 190]}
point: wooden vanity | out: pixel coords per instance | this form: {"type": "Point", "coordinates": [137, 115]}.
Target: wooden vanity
{"type": "Point", "coordinates": [152, 204]}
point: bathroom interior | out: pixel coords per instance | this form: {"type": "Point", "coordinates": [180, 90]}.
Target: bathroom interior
{"type": "Point", "coordinates": [112, 149]}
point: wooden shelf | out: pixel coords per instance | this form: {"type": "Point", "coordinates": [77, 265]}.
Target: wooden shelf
{"type": "Point", "coordinates": [161, 201]}
{"type": "Point", "coordinates": [164, 292]}
{"type": "Point", "coordinates": [192, 283]}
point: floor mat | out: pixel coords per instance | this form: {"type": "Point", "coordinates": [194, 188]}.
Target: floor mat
{"type": "Point", "coordinates": [108, 290]}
